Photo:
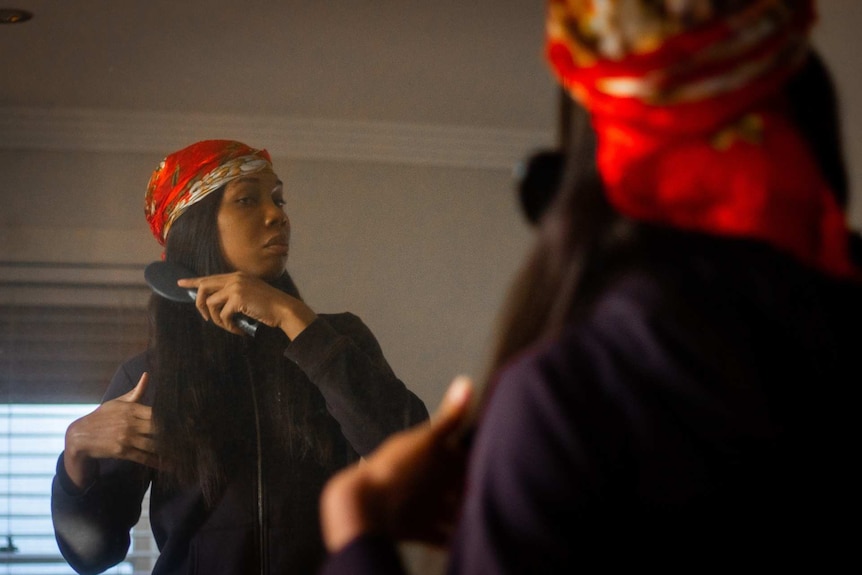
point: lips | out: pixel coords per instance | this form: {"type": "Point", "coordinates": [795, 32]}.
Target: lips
{"type": "Point", "coordinates": [277, 241]}
{"type": "Point", "coordinates": [279, 244]}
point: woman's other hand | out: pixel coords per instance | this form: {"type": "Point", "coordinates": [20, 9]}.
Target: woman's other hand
{"type": "Point", "coordinates": [121, 428]}
{"type": "Point", "coordinates": [221, 297]}
{"type": "Point", "coordinates": [410, 488]}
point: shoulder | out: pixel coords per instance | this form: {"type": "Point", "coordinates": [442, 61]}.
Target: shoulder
{"type": "Point", "coordinates": [127, 375]}
{"type": "Point", "coordinates": [574, 416]}
{"type": "Point", "coordinates": [584, 370]}
{"type": "Point", "coordinates": [343, 320]}
{"type": "Point", "coordinates": [137, 364]}
{"type": "Point", "coordinates": [661, 355]}
{"type": "Point", "coordinates": [348, 324]}
{"type": "Point", "coordinates": [625, 323]}
{"type": "Point", "coordinates": [606, 376]}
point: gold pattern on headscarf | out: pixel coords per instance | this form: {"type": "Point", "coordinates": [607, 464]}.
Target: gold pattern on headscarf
{"type": "Point", "coordinates": [748, 129]}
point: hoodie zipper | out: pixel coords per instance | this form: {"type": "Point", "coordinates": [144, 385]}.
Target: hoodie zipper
{"type": "Point", "coordinates": [260, 502]}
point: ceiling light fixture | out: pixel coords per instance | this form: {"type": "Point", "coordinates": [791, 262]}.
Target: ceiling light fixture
{"type": "Point", "coordinates": [14, 16]}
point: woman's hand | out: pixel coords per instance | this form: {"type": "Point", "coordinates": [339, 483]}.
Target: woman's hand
{"type": "Point", "coordinates": [221, 297]}
{"type": "Point", "coordinates": [408, 489]}
{"type": "Point", "coordinates": [120, 429]}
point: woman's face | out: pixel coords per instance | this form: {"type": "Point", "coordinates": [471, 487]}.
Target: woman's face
{"type": "Point", "coordinates": [253, 229]}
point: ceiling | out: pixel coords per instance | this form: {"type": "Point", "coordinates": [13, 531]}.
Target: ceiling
{"type": "Point", "coordinates": [471, 63]}
{"type": "Point", "coordinates": [449, 82]}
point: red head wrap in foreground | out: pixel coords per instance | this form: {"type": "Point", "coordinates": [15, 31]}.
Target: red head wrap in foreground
{"type": "Point", "coordinates": [189, 175]}
{"type": "Point", "coordinates": [685, 99]}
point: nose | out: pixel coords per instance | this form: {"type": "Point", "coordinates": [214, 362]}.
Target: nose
{"type": "Point", "coordinates": [275, 215]}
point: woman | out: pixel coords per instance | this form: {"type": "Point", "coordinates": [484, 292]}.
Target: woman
{"type": "Point", "coordinates": [236, 435]}
{"type": "Point", "coordinates": [672, 383]}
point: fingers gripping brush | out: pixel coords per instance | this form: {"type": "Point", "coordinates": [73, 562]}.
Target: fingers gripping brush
{"type": "Point", "coordinates": [162, 278]}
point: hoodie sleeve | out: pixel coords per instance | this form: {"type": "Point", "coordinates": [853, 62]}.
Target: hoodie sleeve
{"type": "Point", "coordinates": [341, 356]}
{"type": "Point", "coordinates": [92, 525]}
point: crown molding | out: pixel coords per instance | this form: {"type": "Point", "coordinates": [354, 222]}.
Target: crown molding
{"type": "Point", "coordinates": [98, 130]}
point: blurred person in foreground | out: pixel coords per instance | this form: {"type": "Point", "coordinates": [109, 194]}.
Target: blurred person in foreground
{"type": "Point", "coordinates": [672, 382]}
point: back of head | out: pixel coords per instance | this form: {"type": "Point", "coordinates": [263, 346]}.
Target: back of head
{"type": "Point", "coordinates": [698, 124]}
{"type": "Point", "coordinates": [706, 117]}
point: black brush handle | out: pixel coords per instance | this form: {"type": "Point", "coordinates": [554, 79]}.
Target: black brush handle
{"type": "Point", "coordinates": [242, 321]}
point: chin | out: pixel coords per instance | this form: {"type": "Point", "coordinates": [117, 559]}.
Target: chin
{"type": "Point", "coordinates": [272, 275]}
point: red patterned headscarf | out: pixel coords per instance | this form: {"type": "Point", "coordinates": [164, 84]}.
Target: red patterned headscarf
{"type": "Point", "coordinates": [685, 98]}
{"type": "Point", "coordinates": [191, 174]}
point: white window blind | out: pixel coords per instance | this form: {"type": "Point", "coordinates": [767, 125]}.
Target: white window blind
{"type": "Point", "coordinates": [32, 438]}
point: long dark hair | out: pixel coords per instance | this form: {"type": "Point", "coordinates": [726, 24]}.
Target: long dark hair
{"type": "Point", "coordinates": [211, 383]}
{"type": "Point", "coordinates": [582, 242]}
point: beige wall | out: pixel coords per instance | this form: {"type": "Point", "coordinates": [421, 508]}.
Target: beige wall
{"type": "Point", "coordinates": [421, 253]}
